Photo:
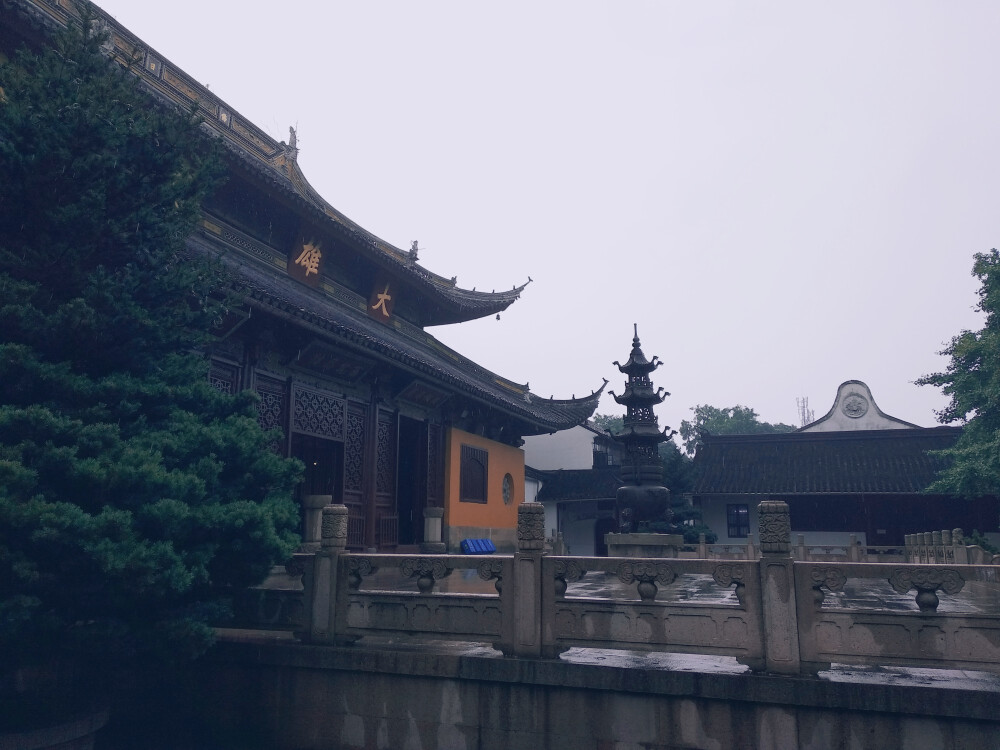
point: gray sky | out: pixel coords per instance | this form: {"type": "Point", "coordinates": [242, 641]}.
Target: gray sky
{"type": "Point", "coordinates": [783, 196]}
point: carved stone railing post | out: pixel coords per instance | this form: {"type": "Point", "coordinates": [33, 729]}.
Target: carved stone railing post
{"type": "Point", "coordinates": [521, 597]}
{"type": "Point", "coordinates": [320, 580]}
{"type": "Point", "coordinates": [958, 545]}
{"type": "Point", "coordinates": [702, 547]}
{"type": "Point", "coordinates": [777, 585]}
{"type": "Point", "coordinates": [803, 553]}
{"type": "Point", "coordinates": [946, 546]}
{"type": "Point", "coordinates": [853, 550]}
{"type": "Point", "coordinates": [433, 521]}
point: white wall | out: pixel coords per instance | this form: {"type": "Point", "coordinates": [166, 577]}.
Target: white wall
{"type": "Point", "coordinates": [531, 488]}
{"type": "Point", "coordinates": [713, 513]}
{"type": "Point", "coordinates": [855, 409]}
{"type": "Point", "coordinates": [569, 449]}
{"type": "Point", "coordinates": [579, 537]}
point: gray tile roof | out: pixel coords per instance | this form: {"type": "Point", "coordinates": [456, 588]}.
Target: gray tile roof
{"type": "Point", "coordinates": [579, 484]}
{"type": "Point", "coordinates": [865, 461]}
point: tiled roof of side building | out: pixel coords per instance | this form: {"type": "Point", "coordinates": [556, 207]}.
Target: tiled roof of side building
{"type": "Point", "coordinates": [272, 161]}
{"type": "Point", "coordinates": [419, 352]}
{"type": "Point", "coordinates": [863, 461]}
{"type": "Point", "coordinates": [579, 484]}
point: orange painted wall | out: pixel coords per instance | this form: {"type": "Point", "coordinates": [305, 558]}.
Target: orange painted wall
{"type": "Point", "coordinates": [503, 459]}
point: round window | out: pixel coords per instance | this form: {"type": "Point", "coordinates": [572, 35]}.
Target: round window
{"type": "Point", "coordinates": [508, 489]}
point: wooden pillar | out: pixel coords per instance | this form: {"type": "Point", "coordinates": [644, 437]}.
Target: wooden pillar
{"type": "Point", "coordinates": [370, 482]}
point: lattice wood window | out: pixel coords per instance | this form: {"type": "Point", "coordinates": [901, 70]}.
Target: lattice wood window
{"type": "Point", "coordinates": [474, 470]}
{"type": "Point", "coordinates": [385, 456]}
{"type": "Point", "coordinates": [317, 413]}
{"type": "Point", "coordinates": [738, 521]}
{"type": "Point", "coordinates": [354, 450]}
{"type": "Point", "coordinates": [272, 411]}
{"type": "Point", "coordinates": [223, 377]}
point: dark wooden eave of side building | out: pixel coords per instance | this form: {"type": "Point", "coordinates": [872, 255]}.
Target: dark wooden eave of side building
{"type": "Point", "coordinates": [870, 462]}
{"type": "Point", "coordinates": [561, 485]}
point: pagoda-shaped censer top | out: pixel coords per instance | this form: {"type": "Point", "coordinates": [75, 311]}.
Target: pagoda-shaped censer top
{"type": "Point", "coordinates": [641, 434]}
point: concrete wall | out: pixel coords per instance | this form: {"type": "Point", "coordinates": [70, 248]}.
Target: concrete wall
{"type": "Point", "coordinates": [288, 695]}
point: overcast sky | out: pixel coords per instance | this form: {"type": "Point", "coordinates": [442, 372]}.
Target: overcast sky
{"type": "Point", "coordinates": [783, 196]}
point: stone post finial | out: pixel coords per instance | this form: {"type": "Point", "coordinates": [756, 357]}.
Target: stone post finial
{"type": "Point", "coordinates": [335, 526]}
{"type": "Point", "coordinates": [530, 527]}
{"type": "Point", "coordinates": [775, 528]}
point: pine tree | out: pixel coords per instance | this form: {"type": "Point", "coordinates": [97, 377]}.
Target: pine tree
{"type": "Point", "coordinates": [134, 498]}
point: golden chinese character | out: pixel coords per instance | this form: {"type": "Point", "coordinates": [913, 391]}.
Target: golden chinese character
{"type": "Point", "coordinates": [382, 299]}
{"type": "Point", "coordinates": [309, 259]}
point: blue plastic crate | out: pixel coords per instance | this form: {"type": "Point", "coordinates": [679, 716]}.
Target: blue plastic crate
{"type": "Point", "coordinates": [478, 547]}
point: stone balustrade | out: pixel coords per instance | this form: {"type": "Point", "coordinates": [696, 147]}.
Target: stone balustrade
{"type": "Point", "coordinates": [946, 546]}
{"type": "Point", "coordinates": [772, 612]}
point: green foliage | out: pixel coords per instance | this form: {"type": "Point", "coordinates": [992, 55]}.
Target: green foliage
{"type": "Point", "coordinates": [972, 384]}
{"type": "Point", "coordinates": [982, 542]}
{"type": "Point", "coordinates": [677, 475]}
{"type": "Point", "coordinates": [134, 498]}
{"type": "Point", "coordinates": [731, 420]}
{"type": "Point", "coordinates": [608, 422]}
{"type": "Point", "coordinates": [690, 528]}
